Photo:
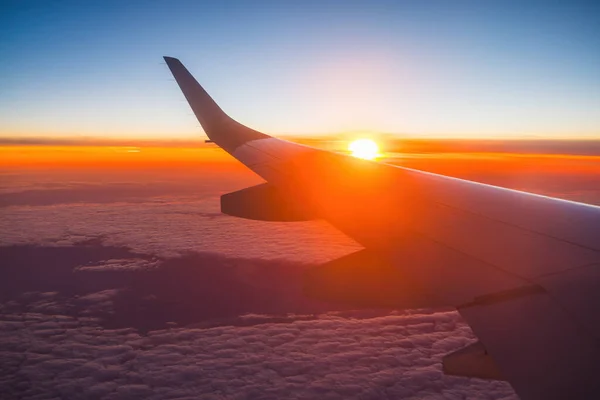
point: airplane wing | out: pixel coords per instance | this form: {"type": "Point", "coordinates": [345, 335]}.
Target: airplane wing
{"type": "Point", "coordinates": [522, 269]}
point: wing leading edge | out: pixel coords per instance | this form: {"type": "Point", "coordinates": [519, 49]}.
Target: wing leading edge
{"type": "Point", "coordinates": [522, 269]}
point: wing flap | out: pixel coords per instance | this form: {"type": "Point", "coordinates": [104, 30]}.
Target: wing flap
{"type": "Point", "coordinates": [472, 361]}
{"type": "Point", "coordinates": [577, 292]}
{"type": "Point", "coordinates": [537, 346]}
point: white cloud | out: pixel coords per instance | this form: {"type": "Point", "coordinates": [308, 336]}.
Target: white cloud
{"type": "Point", "coordinates": [330, 357]}
{"type": "Point", "coordinates": [172, 229]}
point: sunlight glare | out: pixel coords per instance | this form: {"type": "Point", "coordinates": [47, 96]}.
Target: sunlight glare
{"type": "Point", "coordinates": [364, 148]}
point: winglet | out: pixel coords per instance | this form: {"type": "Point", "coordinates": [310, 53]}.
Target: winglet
{"type": "Point", "coordinates": [220, 128]}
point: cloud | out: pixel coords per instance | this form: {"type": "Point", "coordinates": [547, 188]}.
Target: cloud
{"type": "Point", "coordinates": [153, 294]}
{"type": "Point", "coordinates": [391, 356]}
{"type": "Point", "coordinates": [172, 228]}
{"type": "Point", "coordinates": [146, 292]}
{"type": "Point", "coordinates": [127, 264]}
{"type": "Point", "coordinates": [81, 335]}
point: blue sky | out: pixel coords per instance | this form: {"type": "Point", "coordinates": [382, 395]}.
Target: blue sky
{"type": "Point", "coordinates": [426, 68]}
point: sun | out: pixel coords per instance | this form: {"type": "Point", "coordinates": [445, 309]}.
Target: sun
{"type": "Point", "coordinates": [364, 148]}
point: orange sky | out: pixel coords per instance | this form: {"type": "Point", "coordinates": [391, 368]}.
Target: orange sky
{"type": "Point", "coordinates": [574, 177]}
{"type": "Point", "coordinates": [108, 156]}
{"type": "Point", "coordinates": [163, 156]}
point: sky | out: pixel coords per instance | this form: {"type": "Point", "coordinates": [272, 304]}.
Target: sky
{"type": "Point", "coordinates": [511, 69]}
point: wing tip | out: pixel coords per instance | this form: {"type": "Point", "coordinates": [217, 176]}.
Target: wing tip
{"type": "Point", "coordinates": [171, 59]}
{"type": "Point", "coordinates": [215, 122]}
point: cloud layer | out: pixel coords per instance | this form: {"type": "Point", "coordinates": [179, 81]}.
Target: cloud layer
{"type": "Point", "coordinates": [387, 357]}
{"type": "Point", "coordinates": [208, 326]}
{"type": "Point", "coordinates": [149, 292]}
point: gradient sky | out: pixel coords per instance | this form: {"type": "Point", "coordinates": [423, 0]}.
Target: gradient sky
{"type": "Point", "coordinates": [428, 68]}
